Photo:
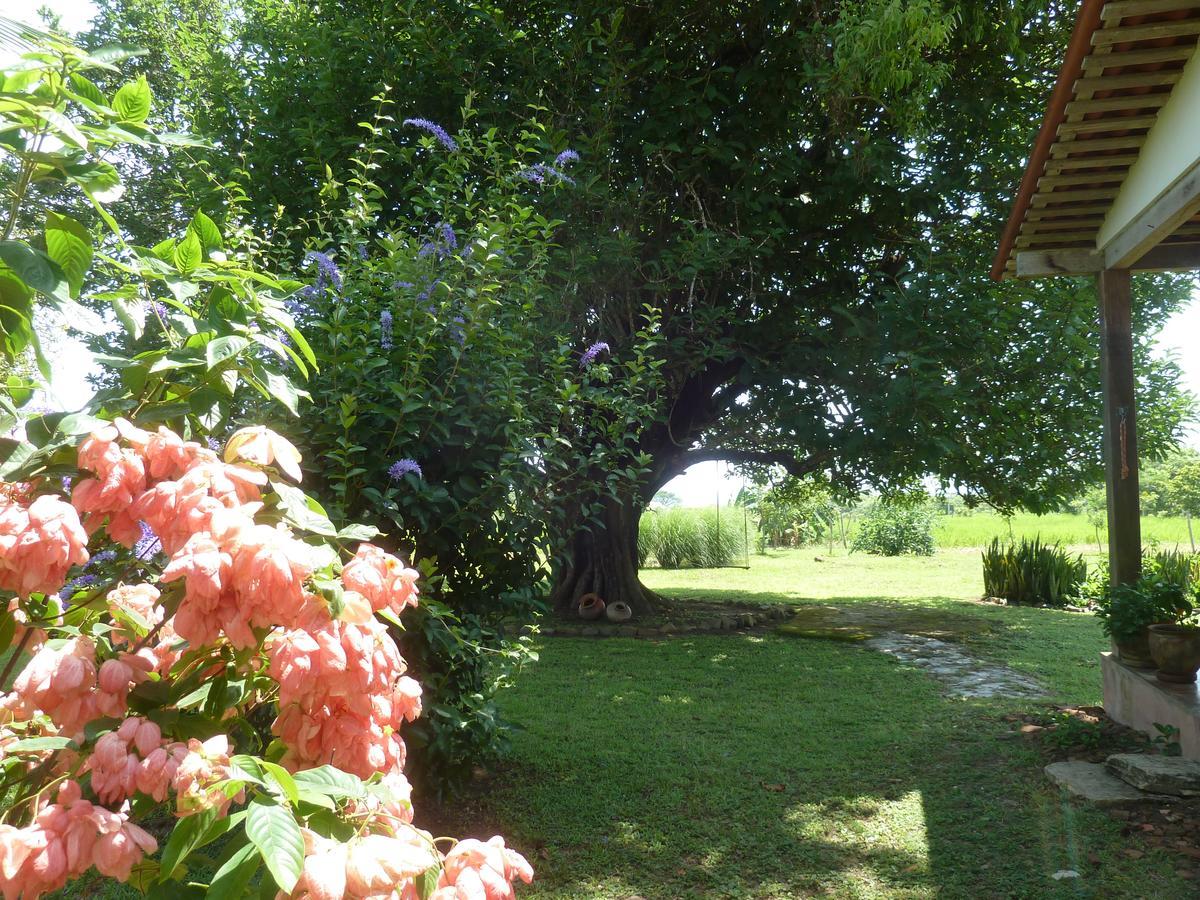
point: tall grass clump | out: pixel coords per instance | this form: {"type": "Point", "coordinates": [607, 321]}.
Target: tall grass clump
{"type": "Point", "coordinates": [690, 538]}
{"type": "Point", "coordinates": [1032, 573]}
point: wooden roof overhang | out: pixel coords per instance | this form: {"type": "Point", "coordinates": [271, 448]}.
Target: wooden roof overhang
{"type": "Point", "coordinates": [1113, 180]}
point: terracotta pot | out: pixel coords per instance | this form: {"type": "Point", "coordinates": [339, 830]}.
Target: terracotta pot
{"type": "Point", "coordinates": [618, 611]}
{"type": "Point", "coordinates": [1176, 652]}
{"type": "Point", "coordinates": [1135, 653]}
{"type": "Point", "coordinates": [591, 607]}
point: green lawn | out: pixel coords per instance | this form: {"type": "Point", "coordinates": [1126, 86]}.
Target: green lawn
{"type": "Point", "coordinates": [776, 767]}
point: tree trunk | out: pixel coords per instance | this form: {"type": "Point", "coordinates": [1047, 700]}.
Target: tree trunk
{"type": "Point", "coordinates": [603, 560]}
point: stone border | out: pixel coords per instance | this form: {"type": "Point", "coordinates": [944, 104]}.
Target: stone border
{"type": "Point", "coordinates": [767, 615]}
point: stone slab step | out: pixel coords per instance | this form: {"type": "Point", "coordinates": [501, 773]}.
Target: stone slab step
{"type": "Point", "coordinates": [1158, 774]}
{"type": "Point", "coordinates": [1094, 784]}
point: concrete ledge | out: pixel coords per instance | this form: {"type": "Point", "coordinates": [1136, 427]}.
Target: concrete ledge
{"type": "Point", "coordinates": [1134, 697]}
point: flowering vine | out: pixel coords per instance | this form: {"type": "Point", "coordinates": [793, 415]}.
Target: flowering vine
{"type": "Point", "coordinates": [134, 691]}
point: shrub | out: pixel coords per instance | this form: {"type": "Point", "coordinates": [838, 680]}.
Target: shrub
{"type": "Point", "coordinates": [895, 529]}
{"type": "Point", "coordinates": [1170, 566]}
{"type": "Point", "coordinates": [1032, 573]}
{"type": "Point", "coordinates": [1149, 600]}
{"type": "Point", "coordinates": [691, 538]}
{"type": "Point", "coordinates": [451, 413]}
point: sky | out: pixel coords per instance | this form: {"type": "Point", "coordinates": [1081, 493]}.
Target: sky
{"type": "Point", "coordinates": [703, 484]}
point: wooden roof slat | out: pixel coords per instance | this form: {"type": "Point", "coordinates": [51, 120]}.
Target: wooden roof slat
{"type": "Point", "coordinates": [1063, 212]}
{"type": "Point", "coordinates": [1111, 160]}
{"type": "Point", "coordinates": [1111, 123]}
{"type": "Point", "coordinates": [1139, 57]}
{"type": "Point", "coordinates": [1105, 176]}
{"type": "Point", "coordinates": [1045, 226]}
{"type": "Point", "coordinates": [1126, 80]}
{"type": "Point", "coordinates": [1071, 196]}
{"type": "Point", "coordinates": [1122, 142]}
{"type": "Point", "coordinates": [1109, 104]}
{"type": "Point", "coordinates": [1114, 12]}
{"type": "Point", "coordinates": [1057, 237]}
{"type": "Point", "coordinates": [1128, 34]}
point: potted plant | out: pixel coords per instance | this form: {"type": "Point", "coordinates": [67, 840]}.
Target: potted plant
{"type": "Point", "coordinates": [1126, 615]}
{"type": "Point", "coordinates": [1175, 639]}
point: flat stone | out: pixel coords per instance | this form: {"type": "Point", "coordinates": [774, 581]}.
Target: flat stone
{"type": "Point", "coordinates": [1159, 774]}
{"type": "Point", "coordinates": [1093, 783]}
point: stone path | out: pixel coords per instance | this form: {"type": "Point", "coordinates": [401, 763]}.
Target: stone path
{"type": "Point", "coordinates": [960, 673]}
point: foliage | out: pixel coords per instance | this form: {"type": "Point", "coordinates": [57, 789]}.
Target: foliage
{"type": "Point", "coordinates": [179, 602]}
{"type": "Point", "coordinates": [893, 529]}
{"type": "Point", "coordinates": [1171, 567]}
{"type": "Point", "coordinates": [451, 409]}
{"type": "Point", "coordinates": [819, 265]}
{"type": "Point", "coordinates": [1128, 609]}
{"type": "Point", "coordinates": [790, 513]}
{"type": "Point", "coordinates": [197, 316]}
{"type": "Point", "coordinates": [691, 538]}
{"type": "Point", "coordinates": [1183, 488]}
{"type": "Point", "coordinates": [1032, 573]}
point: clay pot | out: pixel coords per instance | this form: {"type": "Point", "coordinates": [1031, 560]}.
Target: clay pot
{"type": "Point", "coordinates": [1176, 652]}
{"type": "Point", "coordinates": [591, 607]}
{"type": "Point", "coordinates": [618, 611]}
{"type": "Point", "coordinates": [1135, 653]}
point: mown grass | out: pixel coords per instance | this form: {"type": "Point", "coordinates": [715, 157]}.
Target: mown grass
{"type": "Point", "coordinates": [764, 766]}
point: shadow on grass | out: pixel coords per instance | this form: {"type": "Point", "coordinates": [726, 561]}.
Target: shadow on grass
{"type": "Point", "coordinates": [770, 767]}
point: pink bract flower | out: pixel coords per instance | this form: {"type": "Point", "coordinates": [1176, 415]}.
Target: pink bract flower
{"type": "Point", "coordinates": [381, 578]}
{"type": "Point", "coordinates": [204, 765]}
{"type": "Point", "coordinates": [262, 446]}
{"type": "Point", "coordinates": [60, 682]}
{"type": "Point", "coordinates": [475, 870]}
{"type": "Point", "coordinates": [38, 544]}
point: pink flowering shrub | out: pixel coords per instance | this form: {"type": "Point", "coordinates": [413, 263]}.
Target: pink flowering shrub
{"type": "Point", "coordinates": [135, 696]}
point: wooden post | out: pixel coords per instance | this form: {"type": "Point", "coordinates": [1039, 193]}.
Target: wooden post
{"type": "Point", "coordinates": [1120, 426]}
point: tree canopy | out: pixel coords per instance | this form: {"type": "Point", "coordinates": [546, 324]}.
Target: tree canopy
{"type": "Point", "coordinates": [807, 194]}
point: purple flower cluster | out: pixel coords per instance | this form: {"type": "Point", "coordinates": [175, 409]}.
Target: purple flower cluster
{"type": "Point", "coordinates": [402, 467]}
{"type": "Point", "coordinates": [538, 172]}
{"type": "Point", "coordinates": [385, 329]}
{"type": "Point", "coordinates": [75, 584]}
{"type": "Point", "coordinates": [567, 156]}
{"type": "Point", "coordinates": [437, 131]}
{"type": "Point", "coordinates": [328, 272]}
{"type": "Point", "coordinates": [445, 243]}
{"type": "Point", "coordinates": [148, 544]}
{"type": "Point", "coordinates": [102, 557]}
{"type": "Point", "coordinates": [590, 354]}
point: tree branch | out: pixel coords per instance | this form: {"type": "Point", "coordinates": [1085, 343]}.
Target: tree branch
{"type": "Point", "coordinates": [795, 467]}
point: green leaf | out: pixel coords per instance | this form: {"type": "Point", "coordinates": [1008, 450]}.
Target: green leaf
{"type": "Point", "coordinates": [63, 127]}
{"type": "Point", "coordinates": [206, 231]}
{"type": "Point", "coordinates": [284, 391]}
{"type": "Point", "coordinates": [35, 268]}
{"type": "Point", "coordinates": [188, 253]}
{"type": "Point", "coordinates": [38, 744]}
{"type": "Point", "coordinates": [332, 782]}
{"type": "Point", "coordinates": [104, 57]}
{"type": "Point", "coordinates": [69, 244]}
{"type": "Point", "coordinates": [189, 834]}
{"type": "Point", "coordinates": [273, 830]}
{"type": "Point", "coordinates": [302, 511]}
{"type": "Point", "coordinates": [224, 348]}
{"type": "Point", "coordinates": [100, 179]}
{"type": "Point", "coordinates": [132, 101]}
{"type": "Point", "coordinates": [88, 90]}
{"type": "Point", "coordinates": [358, 533]}
{"type": "Point", "coordinates": [231, 879]}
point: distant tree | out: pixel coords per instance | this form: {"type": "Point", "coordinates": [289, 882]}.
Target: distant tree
{"type": "Point", "coordinates": [1183, 488]}
{"type": "Point", "coordinates": [666, 500]}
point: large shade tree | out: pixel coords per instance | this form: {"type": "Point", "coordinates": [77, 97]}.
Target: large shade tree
{"type": "Point", "coordinates": [809, 193]}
